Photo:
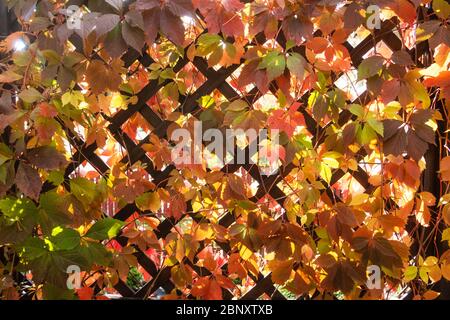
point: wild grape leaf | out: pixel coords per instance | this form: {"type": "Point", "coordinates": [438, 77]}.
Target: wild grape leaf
{"type": "Point", "coordinates": [442, 81]}
{"type": "Point", "coordinates": [9, 76]}
{"type": "Point", "coordinates": [297, 28]}
{"type": "Point", "coordinates": [390, 90]}
{"type": "Point", "coordinates": [53, 211]}
{"type": "Point", "coordinates": [133, 36]}
{"type": "Point", "coordinates": [222, 16]}
{"type": "Point", "coordinates": [445, 168]}
{"type": "Point", "coordinates": [95, 253]}
{"type": "Point", "coordinates": [341, 275]}
{"type": "Point", "coordinates": [426, 30]}
{"type": "Point", "coordinates": [296, 64]}
{"type": "Point", "coordinates": [149, 201]}
{"type": "Point", "coordinates": [176, 206]}
{"type": "Point", "coordinates": [378, 250]}
{"type": "Point", "coordinates": [274, 63]}
{"type": "Point", "coordinates": [234, 188]}
{"type": "Point", "coordinates": [281, 271]}
{"type": "Point", "coordinates": [352, 17]}
{"type": "Point", "coordinates": [30, 95]}
{"type": "Point", "coordinates": [114, 43]}
{"type": "Point", "coordinates": [172, 27]}
{"type": "Point", "coordinates": [207, 288]}
{"type": "Point", "coordinates": [251, 74]}
{"type": "Point", "coordinates": [28, 181]}
{"type": "Point", "coordinates": [102, 77]}
{"type": "Point", "coordinates": [402, 58]}
{"type": "Point", "coordinates": [286, 121]}
{"type": "Point", "coordinates": [46, 157]}
{"type": "Point", "coordinates": [413, 139]}
{"type": "Point", "coordinates": [65, 238]}
{"type": "Point", "coordinates": [405, 10]}
{"type": "Point", "coordinates": [370, 67]}
{"type": "Point", "coordinates": [105, 23]}
{"type": "Point", "coordinates": [165, 17]}
{"type": "Point", "coordinates": [106, 228]}
{"type": "Point", "coordinates": [264, 19]}
{"type": "Point", "coordinates": [51, 266]}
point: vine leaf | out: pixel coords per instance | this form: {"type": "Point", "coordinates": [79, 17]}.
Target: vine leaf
{"type": "Point", "coordinates": [46, 157]}
{"type": "Point", "coordinates": [28, 181]}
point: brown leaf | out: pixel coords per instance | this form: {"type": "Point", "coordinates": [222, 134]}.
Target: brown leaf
{"type": "Point", "coordinates": [28, 181]}
{"type": "Point", "coordinates": [46, 157]}
{"type": "Point", "coordinates": [402, 58]}
{"type": "Point", "coordinates": [133, 36]}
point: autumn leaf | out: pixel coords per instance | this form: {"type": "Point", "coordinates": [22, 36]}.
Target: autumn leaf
{"type": "Point", "coordinates": [413, 139]}
{"type": "Point", "coordinates": [370, 67]}
{"type": "Point", "coordinates": [445, 168]}
{"type": "Point", "coordinates": [296, 64]}
{"type": "Point", "coordinates": [274, 63]}
{"type": "Point", "coordinates": [165, 17]}
{"type": "Point", "coordinates": [28, 181]}
{"type": "Point", "coordinates": [377, 250]}
{"type": "Point", "coordinates": [286, 121]}
{"type": "Point", "coordinates": [46, 157]}
{"type": "Point", "coordinates": [149, 201]}
{"type": "Point", "coordinates": [222, 16]}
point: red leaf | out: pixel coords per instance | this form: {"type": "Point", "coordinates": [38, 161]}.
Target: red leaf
{"type": "Point", "coordinates": [287, 121]}
{"type": "Point", "coordinates": [222, 16]}
{"type": "Point", "coordinates": [85, 293]}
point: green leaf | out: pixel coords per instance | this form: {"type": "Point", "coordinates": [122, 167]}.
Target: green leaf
{"type": "Point", "coordinates": [5, 153]}
{"type": "Point", "coordinates": [149, 201]}
{"type": "Point", "coordinates": [274, 63]}
{"type": "Point", "coordinates": [51, 266]}
{"type": "Point", "coordinates": [105, 229]}
{"type": "Point", "coordinates": [30, 95]}
{"type": "Point", "coordinates": [52, 211]}
{"type": "Point", "coordinates": [84, 190]}
{"type": "Point", "coordinates": [366, 134]}
{"type": "Point", "coordinates": [52, 292]}
{"type": "Point", "coordinates": [370, 67]}
{"type": "Point", "coordinates": [65, 239]}
{"type": "Point", "coordinates": [95, 253]}
{"type": "Point", "coordinates": [56, 177]}
{"type": "Point", "coordinates": [16, 208]}
{"type": "Point", "coordinates": [357, 110]}
{"type": "Point", "coordinates": [376, 125]}
{"type": "Point", "coordinates": [33, 248]}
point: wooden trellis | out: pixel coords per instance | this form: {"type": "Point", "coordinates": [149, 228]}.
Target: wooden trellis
{"type": "Point", "coordinates": [216, 79]}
